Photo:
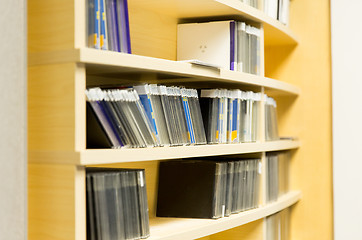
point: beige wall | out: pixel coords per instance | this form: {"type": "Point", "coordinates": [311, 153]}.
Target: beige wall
{"type": "Point", "coordinates": [13, 120]}
{"type": "Point", "coordinates": [347, 117]}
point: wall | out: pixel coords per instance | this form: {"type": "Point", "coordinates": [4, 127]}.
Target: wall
{"type": "Point", "coordinates": [347, 117]}
{"type": "Point", "coordinates": [13, 120]}
{"type": "Point", "coordinates": [309, 117]}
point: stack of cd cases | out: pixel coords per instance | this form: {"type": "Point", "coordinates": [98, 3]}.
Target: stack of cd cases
{"type": "Point", "coordinates": [247, 49]}
{"type": "Point", "coordinates": [174, 112]}
{"type": "Point", "coordinates": [116, 204]}
{"type": "Point", "coordinates": [152, 115]}
{"type": "Point", "coordinates": [230, 116]}
{"type": "Point", "coordinates": [271, 124]}
{"type": "Point", "coordinates": [277, 225]}
{"type": "Point", "coordinates": [272, 177]}
{"type": "Point", "coordinates": [207, 188]}
{"type": "Point", "coordinates": [144, 116]}
{"type": "Point", "coordinates": [277, 175]}
{"type": "Point", "coordinates": [108, 25]}
{"type": "Point", "coordinates": [122, 116]}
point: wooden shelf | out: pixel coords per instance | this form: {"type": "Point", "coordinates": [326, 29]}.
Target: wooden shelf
{"type": "Point", "coordinates": [175, 228]}
{"type": "Point", "coordinates": [276, 33]}
{"type": "Point", "coordinates": [109, 156]}
{"type": "Point", "coordinates": [108, 66]}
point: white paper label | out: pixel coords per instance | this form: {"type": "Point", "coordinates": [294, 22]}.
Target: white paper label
{"type": "Point", "coordinates": [142, 183]}
{"type": "Point", "coordinates": [259, 168]}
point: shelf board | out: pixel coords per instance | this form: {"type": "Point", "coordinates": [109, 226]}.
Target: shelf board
{"type": "Point", "coordinates": [176, 228]}
{"type": "Point", "coordinates": [110, 156]}
{"type": "Point", "coordinates": [276, 33]}
{"type": "Point", "coordinates": [113, 66]}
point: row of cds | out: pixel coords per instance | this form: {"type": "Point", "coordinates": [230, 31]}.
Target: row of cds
{"type": "Point", "coordinates": [117, 205]}
{"type": "Point", "coordinates": [155, 115]}
{"type": "Point", "coordinates": [246, 49]}
{"type": "Point", "coordinates": [174, 113]}
{"type": "Point", "coordinates": [207, 188]}
{"type": "Point", "coordinates": [271, 124]}
{"type": "Point", "coordinates": [277, 178]}
{"type": "Point", "coordinates": [122, 116]}
{"type": "Point", "coordinates": [230, 116]}
{"type": "Point", "coordinates": [108, 25]}
{"type": "Point", "coordinates": [148, 115]}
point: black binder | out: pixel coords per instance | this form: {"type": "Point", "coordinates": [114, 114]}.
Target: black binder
{"type": "Point", "coordinates": [190, 189]}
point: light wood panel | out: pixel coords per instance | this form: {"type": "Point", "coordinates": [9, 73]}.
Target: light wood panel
{"type": "Point", "coordinates": [51, 196]}
{"type": "Point", "coordinates": [51, 107]}
{"type": "Point", "coordinates": [80, 24]}
{"type": "Point", "coordinates": [250, 231]}
{"type": "Point", "coordinates": [308, 116]}
{"type": "Point", "coordinates": [50, 25]}
{"type": "Point", "coordinates": [152, 34]}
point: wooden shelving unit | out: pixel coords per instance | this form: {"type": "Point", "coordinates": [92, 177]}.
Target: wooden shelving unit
{"type": "Point", "coordinates": [61, 68]}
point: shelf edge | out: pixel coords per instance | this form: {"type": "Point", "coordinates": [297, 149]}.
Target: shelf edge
{"type": "Point", "coordinates": [182, 69]}
{"type": "Point", "coordinates": [94, 157]}
{"type": "Point", "coordinates": [208, 227]}
{"type": "Point", "coordinates": [112, 60]}
{"type": "Point", "coordinates": [97, 156]}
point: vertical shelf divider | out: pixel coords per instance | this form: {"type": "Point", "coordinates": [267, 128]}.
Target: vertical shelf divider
{"type": "Point", "coordinates": [80, 203]}
{"type": "Point", "coordinates": [80, 107]}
